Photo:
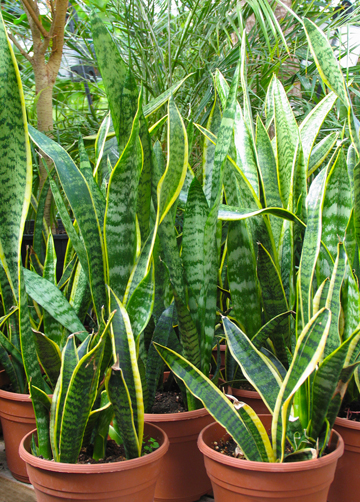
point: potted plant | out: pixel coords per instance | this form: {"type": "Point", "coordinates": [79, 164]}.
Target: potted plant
{"type": "Point", "coordinates": [115, 254]}
{"type": "Point", "coordinates": [303, 399]}
{"type": "Point", "coordinates": [80, 414]}
{"type": "Point", "coordinates": [17, 345]}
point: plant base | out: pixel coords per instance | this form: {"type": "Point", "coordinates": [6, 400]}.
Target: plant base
{"type": "Point", "coordinates": [132, 480]}
{"type": "Point", "coordinates": [235, 480]}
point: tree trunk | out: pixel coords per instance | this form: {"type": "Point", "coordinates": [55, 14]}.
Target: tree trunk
{"type": "Point", "coordinates": [46, 71]}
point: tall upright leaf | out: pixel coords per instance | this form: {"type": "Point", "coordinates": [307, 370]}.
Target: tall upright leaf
{"type": "Point", "coordinates": [120, 219]}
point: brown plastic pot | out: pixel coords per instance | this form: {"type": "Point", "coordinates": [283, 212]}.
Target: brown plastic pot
{"type": "Point", "coordinates": [183, 477]}
{"type": "Point", "coordinates": [17, 419]}
{"type": "Point", "coordinates": [250, 397]}
{"type": "Point", "coordinates": [4, 380]}
{"type": "Point", "coordinates": [236, 480]}
{"type": "Point", "coordinates": [346, 485]}
{"type": "Point", "coordinates": [131, 480]}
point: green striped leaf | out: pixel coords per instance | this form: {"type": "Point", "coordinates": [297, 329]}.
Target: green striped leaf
{"type": "Point", "coordinates": [53, 301]}
{"type": "Point", "coordinates": [49, 356]}
{"type": "Point", "coordinates": [170, 184]}
{"type": "Point", "coordinates": [220, 407]}
{"type": "Point", "coordinates": [188, 333]}
{"type": "Point", "coordinates": [75, 240]}
{"type": "Point", "coordinates": [337, 205]}
{"type": "Point", "coordinates": [13, 369]}
{"type": "Point", "coordinates": [229, 213]}
{"type": "Point", "coordinates": [357, 202]}
{"type": "Point", "coordinates": [144, 189]}
{"type": "Point", "coordinates": [154, 365]}
{"type": "Point", "coordinates": [158, 102]}
{"type": "Point", "coordinates": [310, 127]}
{"type": "Point", "coordinates": [27, 346]}
{"type": "Point", "coordinates": [311, 246]}
{"type": "Point", "coordinates": [309, 348]}
{"type": "Point", "coordinates": [195, 217]}
{"type": "Point", "coordinates": [243, 79]}
{"type": "Point", "coordinates": [209, 293]}
{"type": "Point", "coordinates": [287, 139]}
{"type": "Point", "coordinates": [79, 196]}
{"type": "Point", "coordinates": [243, 139]}
{"type": "Point", "coordinates": [80, 294]}
{"type": "Point", "coordinates": [113, 71]}
{"type": "Point", "coordinates": [351, 160]}
{"type": "Point", "coordinates": [324, 385]}
{"type": "Point", "coordinates": [242, 277]}
{"type": "Point", "coordinates": [86, 170]}
{"type": "Point", "coordinates": [124, 353]}
{"type": "Point", "coordinates": [269, 103]}
{"type": "Point", "coordinates": [124, 412]}
{"type": "Point", "coordinates": [41, 405]}
{"type": "Point", "coordinates": [141, 303]}
{"type": "Point", "coordinates": [106, 413]}
{"type": "Point", "coordinates": [52, 328]}
{"type": "Point", "coordinates": [268, 174]}
{"type": "Point", "coordinates": [325, 60]}
{"type": "Point", "coordinates": [16, 171]}
{"type": "Point", "coordinates": [213, 125]}
{"type": "Point", "coordinates": [120, 218]}
{"type": "Point", "coordinates": [39, 226]}
{"type": "Point", "coordinates": [321, 151]}
{"type": "Point", "coordinates": [69, 360]}
{"type": "Point", "coordinates": [274, 300]}
{"type": "Point", "coordinates": [333, 301]}
{"type": "Point", "coordinates": [84, 383]}
{"type": "Point", "coordinates": [100, 141]}
{"type": "Point", "coordinates": [10, 348]}
{"type": "Point", "coordinates": [308, 351]}
{"type": "Point", "coordinates": [350, 303]}
{"type": "Point", "coordinates": [224, 138]}
{"type": "Point", "coordinates": [255, 366]}
{"type": "Point", "coordinates": [244, 147]}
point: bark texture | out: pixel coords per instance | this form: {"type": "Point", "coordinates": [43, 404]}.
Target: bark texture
{"type": "Point", "coordinates": [46, 59]}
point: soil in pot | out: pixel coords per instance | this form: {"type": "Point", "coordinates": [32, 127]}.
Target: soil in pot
{"type": "Point", "coordinates": [130, 480]}
{"type": "Point", "coordinates": [346, 485]}
{"type": "Point", "coordinates": [183, 476]}
{"type": "Point", "coordinates": [17, 419]}
{"type": "Point", "coordinates": [238, 480]}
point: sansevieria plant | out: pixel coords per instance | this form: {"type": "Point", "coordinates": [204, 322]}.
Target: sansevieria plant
{"type": "Point", "coordinates": [112, 241]}
{"type": "Point", "coordinates": [303, 391]}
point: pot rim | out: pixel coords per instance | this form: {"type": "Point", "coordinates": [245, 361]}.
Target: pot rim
{"type": "Point", "coordinates": [50, 465]}
{"type": "Point", "coordinates": [14, 396]}
{"type": "Point", "coordinates": [247, 393]}
{"type": "Point", "coordinates": [251, 465]}
{"type": "Point", "coordinates": [175, 417]}
{"type": "Point", "coordinates": [349, 424]}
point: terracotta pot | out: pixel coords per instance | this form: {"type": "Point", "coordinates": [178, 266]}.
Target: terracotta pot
{"type": "Point", "coordinates": [132, 480]}
{"type": "Point", "coordinates": [235, 480]}
{"type": "Point", "coordinates": [4, 380]}
{"type": "Point", "coordinates": [17, 419]}
{"type": "Point", "coordinates": [250, 397]}
{"type": "Point", "coordinates": [346, 485]}
{"type": "Point", "coordinates": [183, 477]}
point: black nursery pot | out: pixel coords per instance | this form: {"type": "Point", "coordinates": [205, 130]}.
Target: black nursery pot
{"type": "Point", "coordinates": [60, 241]}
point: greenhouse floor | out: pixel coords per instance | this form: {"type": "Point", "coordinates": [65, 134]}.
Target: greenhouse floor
{"type": "Point", "coordinates": [12, 490]}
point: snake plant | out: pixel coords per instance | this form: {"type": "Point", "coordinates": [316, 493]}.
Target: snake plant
{"type": "Point", "coordinates": [112, 241]}
{"type": "Point", "coordinates": [303, 386]}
